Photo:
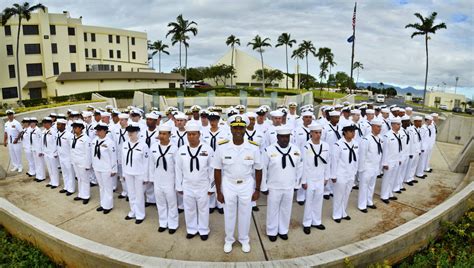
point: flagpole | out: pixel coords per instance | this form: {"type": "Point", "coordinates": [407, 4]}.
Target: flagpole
{"type": "Point", "coordinates": [353, 45]}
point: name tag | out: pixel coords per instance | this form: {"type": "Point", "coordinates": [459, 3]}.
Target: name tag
{"type": "Point", "coordinates": [203, 154]}
{"type": "Point", "coordinates": [227, 157]}
{"type": "Point", "coordinates": [183, 153]}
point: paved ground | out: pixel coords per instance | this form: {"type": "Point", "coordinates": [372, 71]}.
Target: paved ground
{"type": "Point", "coordinates": [144, 239]}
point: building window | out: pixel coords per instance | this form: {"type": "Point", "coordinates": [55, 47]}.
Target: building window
{"type": "Point", "coordinates": [94, 53]}
{"type": "Point", "coordinates": [34, 69]}
{"type": "Point", "coordinates": [52, 29]}
{"type": "Point", "coordinates": [117, 39]}
{"type": "Point", "coordinates": [9, 50]}
{"type": "Point", "coordinates": [119, 54]}
{"type": "Point", "coordinates": [32, 49]}
{"type": "Point", "coordinates": [9, 93]}
{"type": "Point", "coordinates": [92, 37]}
{"type": "Point", "coordinates": [30, 30]}
{"type": "Point", "coordinates": [85, 37]}
{"type": "Point", "coordinates": [172, 85]}
{"type": "Point", "coordinates": [133, 41]}
{"type": "Point", "coordinates": [55, 68]}
{"type": "Point", "coordinates": [119, 68]}
{"type": "Point", "coordinates": [134, 55]}
{"type": "Point", "coordinates": [54, 48]}
{"type": "Point", "coordinates": [73, 67]}
{"type": "Point", "coordinates": [88, 68]}
{"type": "Point", "coordinates": [72, 48]}
{"type": "Point", "coordinates": [71, 31]}
{"type": "Point", "coordinates": [11, 71]}
{"type": "Point", "coordinates": [86, 51]}
{"type": "Point", "coordinates": [111, 68]}
{"type": "Point", "coordinates": [8, 30]}
{"type": "Point", "coordinates": [110, 38]}
{"type": "Point", "coordinates": [111, 54]}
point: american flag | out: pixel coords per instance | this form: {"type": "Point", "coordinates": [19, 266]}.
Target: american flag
{"type": "Point", "coordinates": [354, 17]}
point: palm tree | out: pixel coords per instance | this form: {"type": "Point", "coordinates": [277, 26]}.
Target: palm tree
{"type": "Point", "coordinates": [285, 39]}
{"type": "Point", "coordinates": [158, 47]}
{"type": "Point", "coordinates": [324, 53]}
{"type": "Point", "coordinates": [179, 31]}
{"type": "Point", "coordinates": [232, 41]}
{"type": "Point", "coordinates": [258, 44]}
{"type": "Point", "coordinates": [425, 28]}
{"type": "Point", "coordinates": [307, 48]}
{"type": "Point", "coordinates": [24, 13]}
{"type": "Point", "coordinates": [359, 66]}
{"type": "Point", "coordinates": [331, 63]}
{"type": "Point", "coordinates": [297, 54]}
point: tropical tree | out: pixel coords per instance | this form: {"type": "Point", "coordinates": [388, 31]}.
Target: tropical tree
{"type": "Point", "coordinates": [425, 28]}
{"type": "Point", "coordinates": [297, 54]}
{"type": "Point", "coordinates": [158, 47]}
{"type": "Point", "coordinates": [23, 12]}
{"type": "Point", "coordinates": [307, 48]}
{"type": "Point", "coordinates": [180, 31]}
{"type": "Point", "coordinates": [232, 41]}
{"type": "Point", "coordinates": [269, 75]}
{"type": "Point", "coordinates": [358, 66]}
{"type": "Point", "coordinates": [285, 39]}
{"type": "Point", "coordinates": [259, 44]}
{"type": "Point", "coordinates": [325, 56]}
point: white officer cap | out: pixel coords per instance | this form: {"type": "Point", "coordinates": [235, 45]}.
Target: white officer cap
{"type": "Point", "coordinates": [315, 127]}
{"type": "Point", "coordinates": [417, 118]}
{"type": "Point", "coordinates": [151, 116]}
{"type": "Point", "coordinates": [251, 114]}
{"type": "Point", "coordinates": [428, 117]}
{"type": "Point", "coordinates": [355, 111]}
{"type": "Point", "coordinates": [164, 128]}
{"type": "Point", "coordinates": [334, 113]}
{"type": "Point", "coordinates": [283, 130]}
{"type": "Point", "coordinates": [395, 120]}
{"type": "Point", "coordinates": [370, 111]}
{"type": "Point", "coordinates": [105, 114]}
{"type": "Point", "coordinates": [192, 126]}
{"type": "Point", "coordinates": [61, 121]}
{"type": "Point", "coordinates": [385, 110]}
{"type": "Point", "coordinates": [376, 121]}
{"type": "Point", "coordinates": [408, 109]}
{"type": "Point", "coordinates": [276, 113]}
{"type": "Point", "coordinates": [124, 116]}
{"type": "Point", "coordinates": [434, 115]}
{"type": "Point", "coordinates": [238, 120]}
{"type": "Point", "coordinates": [180, 116]}
{"type": "Point", "coordinates": [405, 117]}
{"type": "Point", "coordinates": [10, 111]}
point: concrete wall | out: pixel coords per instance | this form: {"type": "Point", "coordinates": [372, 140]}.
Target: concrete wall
{"type": "Point", "coordinates": [456, 129]}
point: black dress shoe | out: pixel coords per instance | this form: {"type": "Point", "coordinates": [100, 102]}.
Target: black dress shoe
{"type": "Point", "coordinates": [54, 187]}
{"type": "Point", "coordinates": [35, 179]}
{"type": "Point", "coordinates": [265, 192]}
{"type": "Point", "coordinates": [121, 197]}
{"type": "Point", "coordinates": [424, 176]}
{"type": "Point", "coordinates": [410, 183]}
{"type": "Point", "coordinates": [307, 230]}
{"type": "Point", "coordinates": [255, 208]}
{"type": "Point", "coordinates": [48, 185]}
{"type": "Point", "coordinates": [326, 196]}
{"type": "Point", "coordinates": [380, 176]}
{"type": "Point", "coordinates": [347, 218]}
{"type": "Point", "coordinates": [372, 207]}
{"type": "Point", "coordinates": [364, 210]}
{"type": "Point", "coordinates": [107, 211]}
{"type": "Point", "coordinates": [62, 191]}
{"type": "Point", "coordinates": [272, 238]}
{"type": "Point", "coordinates": [211, 210]}
{"type": "Point", "coordinates": [147, 204]}
{"type": "Point", "coordinates": [386, 201]}
{"type": "Point", "coordinates": [38, 180]}
{"type": "Point", "coordinates": [161, 229]}
{"type": "Point", "coordinates": [127, 199]}
{"type": "Point", "coordinates": [190, 236]}
{"type": "Point", "coordinates": [220, 210]}
{"type": "Point", "coordinates": [429, 170]}
{"type": "Point", "coordinates": [420, 177]}
{"type": "Point", "coordinates": [338, 220]}
{"type": "Point", "coordinates": [69, 193]}
{"type": "Point", "coordinates": [393, 198]}
{"type": "Point", "coordinates": [355, 187]}
{"type": "Point", "coordinates": [319, 227]}
{"type": "Point", "coordinates": [99, 209]}
{"type": "Point", "coordinates": [180, 210]}
{"type": "Point", "coordinates": [85, 201]}
{"type": "Point", "coordinates": [204, 237]}
{"type": "Point", "coordinates": [77, 198]}
{"type": "Point", "coordinates": [171, 231]}
{"type": "Point", "coordinates": [93, 184]}
{"type": "Point", "coordinates": [138, 221]}
{"type": "Point", "coordinates": [403, 189]}
{"type": "Point", "coordinates": [301, 203]}
{"type": "Point", "coordinates": [127, 218]}
{"type": "Point", "coordinates": [283, 236]}
{"type": "Point", "coordinates": [331, 195]}
{"type": "Point", "coordinates": [398, 192]}
{"type": "Point", "coordinates": [414, 181]}
{"type": "Point", "coordinates": [29, 175]}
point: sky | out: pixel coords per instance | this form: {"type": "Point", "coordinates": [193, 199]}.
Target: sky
{"type": "Point", "coordinates": [383, 44]}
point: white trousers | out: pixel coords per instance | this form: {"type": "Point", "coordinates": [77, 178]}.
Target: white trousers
{"type": "Point", "coordinates": [136, 196]}
{"type": "Point", "coordinates": [31, 162]}
{"type": "Point", "coordinates": [412, 164]}
{"type": "Point", "coordinates": [400, 176]}
{"type": "Point", "coordinates": [213, 203]}
{"type": "Point", "coordinates": [427, 158]}
{"type": "Point", "coordinates": [69, 182]}
{"type": "Point", "coordinates": [300, 195]}
{"type": "Point", "coordinates": [149, 192]}
{"type": "Point", "coordinates": [106, 189]}
{"type": "Point", "coordinates": [342, 190]}
{"type": "Point", "coordinates": [388, 180]}
{"type": "Point", "coordinates": [196, 212]}
{"type": "Point", "coordinates": [179, 197]}
{"type": "Point", "coordinates": [367, 180]}
{"type": "Point", "coordinates": [167, 206]}
{"type": "Point", "coordinates": [279, 211]}
{"type": "Point", "coordinates": [15, 154]}
{"type": "Point", "coordinates": [313, 207]}
{"type": "Point", "coordinates": [328, 188]}
{"type": "Point", "coordinates": [39, 166]}
{"type": "Point", "coordinates": [52, 166]}
{"type": "Point", "coordinates": [83, 182]}
{"type": "Point", "coordinates": [122, 180]}
{"type": "Point", "coordinates": [238, 201]}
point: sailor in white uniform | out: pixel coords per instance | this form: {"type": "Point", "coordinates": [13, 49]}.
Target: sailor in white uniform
{"type": "Point", "coordinates": [301, 136]}
{"type": "Point", "coordinates": [10, 140]}
{"type": "Point", "coordinates": [391, 159]}
{"type": "Point", "coordinates": [81, 159]}
{"type": "Point", "coordinates": [63, 142]}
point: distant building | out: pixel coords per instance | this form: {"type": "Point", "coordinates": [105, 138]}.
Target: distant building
{"type": "Point", "coordinates": [245, 67]}
{"type": "Point", "coordinates": [451, 100]}
{"type": "Point", "coordinates": [61, 56]}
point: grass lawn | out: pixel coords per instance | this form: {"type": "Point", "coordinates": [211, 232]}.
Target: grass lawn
{"type": "Point", "coordinates": [50, 105]}
{"type": "Point", "coordinates": [18, 253]}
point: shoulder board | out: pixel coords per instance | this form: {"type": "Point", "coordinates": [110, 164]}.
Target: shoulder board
{"type": "Point", "coordinates": [223, 142]}
{"type": "Point", "coordinates": [254, 143]}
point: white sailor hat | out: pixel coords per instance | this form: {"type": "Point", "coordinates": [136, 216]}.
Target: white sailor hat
{"type": "Point", "coordinates": [61, 121]}
{"type": "Point", "coordinates": [276, 113]}
{"type": "Point", "coordinates": [180, 116]}
{"type": "Point", "coordinates": [47, 119]}
{"type": "Point", "coordinates": [123, 116]}
{"type": "Point", "coordinates": [213, 116]}
{"type": "Point", "coordinates": [385, 110]}
{"type": "Point", "coordinates": [86, 113]}
{"type": "Point", "coordinates": [133, 127]}
{"type": "Point", "coordinates": [417, 118]}
{"type": "Point", "coordinates": [151, 116]}
{"type": "Point", "coordinates": [192, 126]}
{"type": "Point", "coordinates": [434, 115]}
{"type": "Point", "coordinates": [376, 121]}
{"type": "Point", "coordinates": [10, 111]}
{"type": "Point", "coordinates": [25, 119]}
{"type": "Point", "coordinates": [164, 128]}
{"type": "Point", "coordinates": [135, 112]}
{"type": "Point", "coordinates": [75, 113]}
{"type": "Point", "coordinates": [405, 117]}
{"type": "Point", "coordinates": [315, 127]}
{"type": "Point", "coordinates": [307, 113]}
{"type": "Point", "coordinates": [408, 109]}
{"type": "Point", "coordinates": [355, 111]}
{"type": "Point", "coordinates": [346, 103]}
{"type": "Point", "coordinates": [334, 113]}
{"type": "Point", "coordinates": [401, 110]}
{"type": "Point", "coordinates": [101, 126]}
{"type": "Point", "coordinates": [395, 120]}
{"type": "Point", "coordinates": [78, 123]}
{"type": "Point", "coordinates": [283, 130]}
{"type": "Point", "coordinates": [395, 108]}
{"type": "Point", "coordinates": [370, 111]}
{"type": "Point", "coordinates": [105, 114]}
{"type": "Point", "coordinates": [428, 117]}
{"type": "Point", "coordinates": [251, 114]}
{"type": "Point", "coordinates": [53, 115]}
{"type": "Point", "coordinates": [238, 120]}
{"type": "Point", "coordinates": [33, 119]}
{"type": "Point", "coordinates": [61, 115]}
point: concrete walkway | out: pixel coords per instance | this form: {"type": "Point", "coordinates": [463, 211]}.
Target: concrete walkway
{"type": "Point", "coordinates": [113, 230]}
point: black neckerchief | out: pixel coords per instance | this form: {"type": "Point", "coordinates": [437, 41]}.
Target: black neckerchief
{"type": "Point", "coordinates": [408, 136]}
{"type": "Point", "coordinates": [88, 128]}
{"type": "Point", "coordinates": [130, 153]}
{"type": "Point", "coordinates": [284, 155]}
{"type": "Point", "coordinates": [74, 141]}
{"type": "Point", "coordinates": [317, 155]}
{"type": "Point", "coordinates": [400, 148]}
{"type": "Point", "coordinates": [180, 138]}
{"type": "Point", "coordinates": [429, 130]}
{"type": "Point", "coordinates": [148, 138]}
{"type": "Point", "coordinates": [308, 135]}
{"type": "Point", "coordinates": [213, 140]}
{"type": "Point", "coordinates": [352, 154]}
{"type": "Point", "coordinates": [162, 156]}
{"type": "Point", "coordinates": [250, 137]}
{"type": "Point", "coordinates": [97, 148]}
{"type": "Point", "coordinates": [388, 125]}
{"type": "Point", "coordinates": [122, 135]}
{"type": "Point", "coordinates": [194, 157]}
{"type": "Point", "coordinates": [45, 141]}
{"type": "Point", "coordinates": [419, 135]}
{"type": "Point", "coordinates": [31, 136]}
{"type": "Point", "coordinates": [335, 131]}
{"type": "Point", "coordinates": [58, 139]}
{"type": "Point", "coordinates": [379, 145]}
{"type": "Point", "coordinates": [359, 130]}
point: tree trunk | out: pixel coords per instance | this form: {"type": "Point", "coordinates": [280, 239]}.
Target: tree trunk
{"type": "Point", "coordinates": [263, 73]}
{"type": "Point", "coordinates": [357, 81]}
{"type": "Point", "coordinates": [232, 64]}
{"type": "Point", "coordinates": [185, 66]}
{"type": "Point", "coordinates": [286, 57]}
{"type": "Point", "coordinates": [297, 78]}
{"type": "Point", "coordinates": [426, 73]}
{"type": "Point", "coordinates": [307, 71]}
{"type": "Point", "coordinates": [159, 61]}
{"type": "Point", "coordinates": [329, 74]}
{"type": "Point", "coordinates": [321, 78]}
{"type": "Point", "coordinates": [180, 57]}
{"type": "Point", "coordinates": [18, 60]}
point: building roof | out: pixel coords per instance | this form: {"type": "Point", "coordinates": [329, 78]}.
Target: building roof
{"type": "Point", "coordinates": [75, 76]}
{"type": "Point", "coordinates": [35, 84]}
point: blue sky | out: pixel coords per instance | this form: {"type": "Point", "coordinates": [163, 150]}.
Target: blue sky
{"type": "Point", "coordinates": [383, 45]}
